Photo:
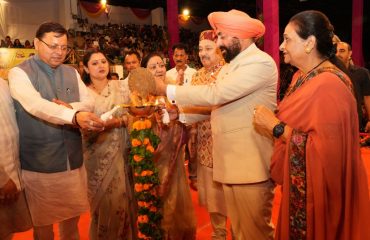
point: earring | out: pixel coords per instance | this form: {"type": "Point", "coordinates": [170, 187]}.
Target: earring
{"type": "Point", "coordinates": [308, 50]}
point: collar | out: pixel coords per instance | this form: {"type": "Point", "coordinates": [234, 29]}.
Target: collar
{"type": "Point", "coordinates": [49, 70]}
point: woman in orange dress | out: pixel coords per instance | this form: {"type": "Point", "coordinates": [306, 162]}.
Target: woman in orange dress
{"type": "Point", "coordinates": [317, 153]}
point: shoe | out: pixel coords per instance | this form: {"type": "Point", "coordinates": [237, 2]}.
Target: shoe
{"type": "Point", "coordinates": [193, 184]}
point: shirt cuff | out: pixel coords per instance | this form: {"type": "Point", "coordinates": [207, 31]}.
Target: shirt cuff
{"type": "Point", "coordinates": [171, 93]}
{"type": "Point", "coordinates": [182, 118]}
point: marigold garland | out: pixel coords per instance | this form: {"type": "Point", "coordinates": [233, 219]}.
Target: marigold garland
{"type": "Point", "coordinates": [146, 180]}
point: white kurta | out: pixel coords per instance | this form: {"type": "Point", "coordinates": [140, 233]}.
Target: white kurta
{"type": "Point", "coordinates": [14, 217]}
{"type": "Point", "coordinates": [52, 197]}
{"type": "Point", "coordinates": [188, 74]}
{"type": "Point", "coordinates": [9, 145]}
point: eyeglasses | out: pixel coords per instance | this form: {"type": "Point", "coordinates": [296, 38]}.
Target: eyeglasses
{"type": "Point", "coordinates": [63, 48]}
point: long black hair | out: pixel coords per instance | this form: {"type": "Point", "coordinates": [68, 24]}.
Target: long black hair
{"type": "Point", "coordinates": [315, 23]}
{"type": "Point", "coordinates": [86, 58]}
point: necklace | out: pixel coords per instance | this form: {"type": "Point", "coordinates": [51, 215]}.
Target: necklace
{"type": "Point", "coordinates": [101, 91]}
{"type": "Point", "coordinates": [303, 78]}
{"type": "Point", "coordinates": [213, 71]}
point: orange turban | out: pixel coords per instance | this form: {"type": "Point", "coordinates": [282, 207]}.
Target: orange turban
{"type": "Point", "coordinates": [237, 24]}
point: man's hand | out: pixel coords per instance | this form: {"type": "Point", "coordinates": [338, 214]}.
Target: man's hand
{"type": "Point", "coordinates": [180, 77]}
{"type": "Point", "coordinates": [89, 121]}
{"type": "Point", "coordinates": [161, 87]}
{"type": "Point", "coordinates": [9, 193]}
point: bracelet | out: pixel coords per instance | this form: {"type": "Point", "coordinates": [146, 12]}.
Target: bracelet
{"type": "Point", "coordinates": [75, 119]}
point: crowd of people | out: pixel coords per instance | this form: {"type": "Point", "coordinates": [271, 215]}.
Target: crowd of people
{"type": "Point", "coordinates": [224, 117]}
{"type": "Point", "coordinates": [115, 40]}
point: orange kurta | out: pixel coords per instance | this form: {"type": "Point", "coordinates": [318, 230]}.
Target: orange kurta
{"type": "Point", "coordinates": [337, 197]}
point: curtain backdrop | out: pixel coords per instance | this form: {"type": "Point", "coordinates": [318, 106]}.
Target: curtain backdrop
{"type": "Point", "coordinates": [3, 23]}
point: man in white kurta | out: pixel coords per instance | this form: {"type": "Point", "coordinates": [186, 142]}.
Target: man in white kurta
{"type": "Point", "coordinates": [51, 103]}
{"type": "Point", "coordinates": [14, 213]}
{"type": "Point", "coordinates": [182, 74]}
{"type": "Point", "coordinates": [241, 155]}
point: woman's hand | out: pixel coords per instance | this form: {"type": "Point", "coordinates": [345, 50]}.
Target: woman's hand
{"type": "Point", "coordinates": [264, 120]}
{"type": "Point", "coordinates": [115, 122]}
{"type": "Point", "coordinates": [161, 87]}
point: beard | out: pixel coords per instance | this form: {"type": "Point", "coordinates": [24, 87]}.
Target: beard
{"type": "Point", "coordinates": [232, 51]}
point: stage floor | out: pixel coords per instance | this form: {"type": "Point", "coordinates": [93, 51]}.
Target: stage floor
{"type": "Point", "coordinates": [204, 228]}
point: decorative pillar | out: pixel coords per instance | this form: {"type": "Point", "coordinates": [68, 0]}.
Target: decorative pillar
{"type": "Point", "coordinates": [270, 12]}
{"type": "Point", "coordinates": [173, 26]}
{"type": "Point", "coordinates": [357, 28]}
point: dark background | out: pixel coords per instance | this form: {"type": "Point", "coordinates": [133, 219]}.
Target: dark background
{"type": "Point", "coordinates": [339, 12]}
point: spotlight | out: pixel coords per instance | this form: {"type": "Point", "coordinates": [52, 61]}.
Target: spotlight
{"type": "Point", "coordinates": [186, 12]}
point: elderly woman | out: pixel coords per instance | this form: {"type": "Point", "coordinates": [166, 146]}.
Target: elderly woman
{"type": "Point", "coordinates": [178, 212]}
{"type": "Point", "coordinates": [316, 157]}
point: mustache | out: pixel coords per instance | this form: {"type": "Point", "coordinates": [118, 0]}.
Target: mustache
{"type": "Point", "coordinates": [204, 58]}
{"type": "Point", "coordinates": [222, 48]}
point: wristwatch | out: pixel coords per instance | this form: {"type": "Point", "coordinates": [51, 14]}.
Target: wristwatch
{"type": "Point", "coordinates": [278, 130]}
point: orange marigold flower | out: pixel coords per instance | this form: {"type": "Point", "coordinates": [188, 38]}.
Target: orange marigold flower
{"type": "Point", "coordinates": [148, 123]}
{"type": "Point", "coordinates": [141, 203]}
{"type": "Point", "coordinates": [136, 174]}
{"type": "Point", "coordinates": [142, 219]}
{"type": "Point", "coordinates": [135, 142]}
{"type": "Point", "coordinates": [146, 186]}
{"type": "Point", "coordinates": [146, 141]}
{"type": "Point", "coordinates": [142, 235]}
{"type": "Point", "coordinates": [150, 148]}
{"type": "Point", "coordinates": [137, 158]}
{"type": "Point", "coordinates": [153, 209]}
{"type": "Point", "coordinates": [146, 173]}
{"type": "Point", "coordinates": [139, 125]}
{"type": "Point", "coordinates": [138, 187]}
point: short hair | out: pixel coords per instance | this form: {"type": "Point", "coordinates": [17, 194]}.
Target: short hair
{"type": "Point", "coordinates": [348, 45]}
{"type": "Point", "coordinates": [133, 52]}
{"type": "Point", "coordinates": [114, 74]}
{"type": "Point", "coordinates": [47, 27]}
{"type": "Point", "coordinates": [180, 46]}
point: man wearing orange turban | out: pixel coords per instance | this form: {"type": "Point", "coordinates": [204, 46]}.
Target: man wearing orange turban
{"type": "Point", "coordinates": [241, 154]}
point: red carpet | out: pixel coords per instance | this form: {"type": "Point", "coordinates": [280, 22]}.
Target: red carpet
{"type": "Point", "coordinates": [204, 228]}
